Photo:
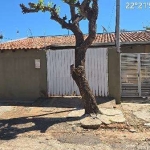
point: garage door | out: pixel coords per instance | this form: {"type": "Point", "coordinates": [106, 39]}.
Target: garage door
{"type": "Point", "coordinates": [59, 78]}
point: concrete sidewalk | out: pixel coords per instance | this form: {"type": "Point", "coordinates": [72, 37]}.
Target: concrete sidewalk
{"type": "Point", "coordinates": [137, 114]}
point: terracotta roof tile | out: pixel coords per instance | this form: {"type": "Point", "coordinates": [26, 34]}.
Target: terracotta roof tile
{"type": "Point", "coordinates": [41, 42]}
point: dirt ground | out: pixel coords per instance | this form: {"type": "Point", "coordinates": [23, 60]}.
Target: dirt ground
{"type": "Point", "coordinates": [44, 125]}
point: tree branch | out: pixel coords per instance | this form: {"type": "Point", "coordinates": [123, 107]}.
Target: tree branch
{"type": "Point", "coordinates": [34, 8]}
{"type": "Point", "coordinates": [84, 8]}
{"type": "Point", "coordinates": [75, 17]}
{"type": "Point", "coordinates": [92, 15]}
{"type": "Point", "coordinates": [70, 3]}
{"type": "Point", "coordinates": [90, 12]}
{"type": "Point", "coordinates": [72, 12]}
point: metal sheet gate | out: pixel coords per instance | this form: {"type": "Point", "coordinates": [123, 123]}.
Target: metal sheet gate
{"type": "Point", "coordinates": [135, 75]}
{"type": "Point", "coordinates": [60, 81]}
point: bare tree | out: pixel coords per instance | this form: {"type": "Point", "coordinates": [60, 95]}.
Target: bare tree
{"type": "Point", "coordinates": [87, 9]}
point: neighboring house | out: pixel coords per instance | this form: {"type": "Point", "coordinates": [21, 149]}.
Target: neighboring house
{"type": "Point", "coordinates": [40, 66]}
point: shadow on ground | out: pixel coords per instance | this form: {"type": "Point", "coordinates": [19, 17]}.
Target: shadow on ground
{"type": "Point", "coordinates": [59, 102]}
{"type": "Point", "coordinates": [11, 128]}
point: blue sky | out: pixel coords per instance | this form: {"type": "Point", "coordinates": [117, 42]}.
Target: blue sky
{"type": "Point", "coordinates": [14, 24]}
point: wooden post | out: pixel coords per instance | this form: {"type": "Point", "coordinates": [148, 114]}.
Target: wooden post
{"type": "Point", "coordinates": [118, 25]}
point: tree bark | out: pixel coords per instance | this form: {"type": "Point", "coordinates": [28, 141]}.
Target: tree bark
{"type": "Point", "coordinates": [79, 76]}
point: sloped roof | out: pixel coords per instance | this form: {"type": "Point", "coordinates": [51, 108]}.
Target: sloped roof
{"type": "Point", "coordinates": [101, 39]}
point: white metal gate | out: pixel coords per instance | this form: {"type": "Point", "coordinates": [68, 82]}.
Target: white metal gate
{"type": "Point", "coordinates": [60, 81]}
{"type": "Point", "coordinates": [135, 75]}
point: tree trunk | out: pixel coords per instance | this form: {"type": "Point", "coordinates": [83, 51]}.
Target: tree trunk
{"type": "Point", "coordinates": [79, 76]}
{"type": "Point", "coordinates": [88, 9]}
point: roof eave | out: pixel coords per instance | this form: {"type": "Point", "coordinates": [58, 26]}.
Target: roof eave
{"type": "Point", "coordinates": [136, 42]}
{"type": "Point", "coordinates": [102, 44]}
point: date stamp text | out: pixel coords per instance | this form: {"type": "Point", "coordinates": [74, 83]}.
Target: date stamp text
{"type": "Point", "coordinates": [137, 5]}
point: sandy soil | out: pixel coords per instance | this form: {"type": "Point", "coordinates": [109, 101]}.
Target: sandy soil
{"type": "Point", "coordinates": [45, 126]}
